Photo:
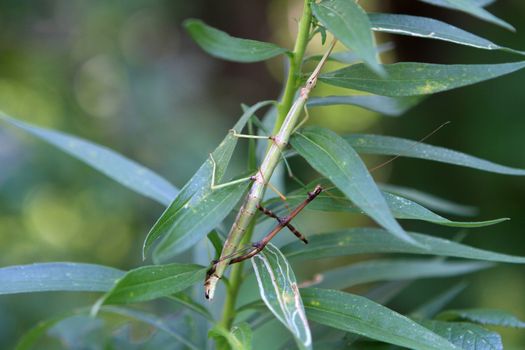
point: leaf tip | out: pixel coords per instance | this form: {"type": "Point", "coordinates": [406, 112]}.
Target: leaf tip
{"type": "Point", "coordinates": [93, 312]}
{"type": "Point", "coordinates": [187, 23]}
{"type": "Point", "coordinates": [414, 242]}
{"type": "Point", "coordinates": [378, 69]}
{"type": "Point", "coordinates": [508, 26]}
{"type": "Point", "coordinates": [144, 250]}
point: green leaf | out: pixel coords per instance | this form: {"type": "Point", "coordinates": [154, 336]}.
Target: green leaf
{"type": "Point", "coordinates": [430, 201]}
{"type": "Point", "coordinates": [280, 293]}
{"type": "Point", "coordinates": [197, 209]}
{"type": "Point", "coordinates": [151, 282]}
{"type": "Point", "coordinates": [395, 146]}
{"type": "Point", "coordinates": [393, 270]}
{"type": "Point", "coordinates": [372, 240]}
{"type": "Point", "coordinates": [216, 241]}
{"type": "Point", "coordinates": [490, 317]}
{"type": "Point", "coordinates": [348, 22]}
{"type": "Point", "coordinates": [382, 104]}
{"type": "Point", "coordinates": [431, 29]}
{"type": "Point", "coordinates": [189, 224]}
{"type": "Point", "coordinates": [402, 208]}
{"type": "Point", "coordinates": [331, 156]}
{"type": "Point", "coordinates": [466, 336]}
{"type": "Point", "coordinates": [437, 303]}
{"type": "Point", "coordinates": [219, 44]}
{"type": "Point", "coordinates": [470, 7]}
{"type": "Point", "coordinates": [410, 78]}
{"type": "Point", "coordinates": [356, 314]}
{"type": "Point", "coordinates": [124, 171]}
{"type": "Point", "coordinates": [63, 276]}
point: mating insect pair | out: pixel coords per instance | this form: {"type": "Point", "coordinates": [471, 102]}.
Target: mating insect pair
{"type": "Point", "coordinates": [283, 222]}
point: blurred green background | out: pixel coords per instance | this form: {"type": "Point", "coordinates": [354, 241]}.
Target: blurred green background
{"type": "Point", "coordinates": [125, 75]}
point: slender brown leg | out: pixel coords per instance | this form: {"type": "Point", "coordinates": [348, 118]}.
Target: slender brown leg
{"type": "Point", "coordinates": [295, 231]}
{"type": "Point", "coordinates": [259, 246]}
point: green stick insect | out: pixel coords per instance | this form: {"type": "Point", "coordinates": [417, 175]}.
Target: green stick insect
{"type": "Point", "coordinates": [260, 181]}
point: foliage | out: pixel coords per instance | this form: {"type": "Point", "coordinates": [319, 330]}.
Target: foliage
{"type": "Point", "coordinates": [199, 209]}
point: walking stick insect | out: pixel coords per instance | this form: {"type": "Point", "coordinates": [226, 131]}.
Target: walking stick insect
{"type": "Point", "coordinates": [278, 143]}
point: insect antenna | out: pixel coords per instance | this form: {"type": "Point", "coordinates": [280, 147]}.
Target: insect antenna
{"type": "Point", "coordinates": [379, 166]}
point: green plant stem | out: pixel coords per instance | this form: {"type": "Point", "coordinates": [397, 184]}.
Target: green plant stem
{"type": "Point", "coordinates": [228, 311]}
{"type": "Point", "coordinates": [294, 70]}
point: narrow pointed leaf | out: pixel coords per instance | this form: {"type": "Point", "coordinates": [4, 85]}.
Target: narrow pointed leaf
{"type": "Point", "coordinates": [192, 223]}
{"type": "Point", "coordinates": [60, 276]}
{"type": "Point", "coordinates": [490, 317]}
{"type": "Point", "coordinates": [372, 240]}
{"type": "Point", "coordinates": [219, 44]}
{"type": "Point", "coordinates": [331, 156]}
{"type": "Point", "coordinates": [402, 208]}
{"type": "Point", "coordinates": [279, 291]}
{"type": "Point", "coordinates": [152, 282]}
{"type": "Point", "coordinates": [430, 201]}
{"type": "Point", "coordinates": [395, 270]}
{"type": "Point", "coordinates": [395, 146]}
{"type": "Point", "coordinates": [217, 241]}
{"type": "Point", "coordinates": [473, 9]}
{"type": "Point", "coordinates": [356, 314]}
{"type": "Point", "coordinates": [431, 29]}
{"type": "Point", "coordinates": [348, 22]}
{"type": "Point", "coordinates": [411, 78]}
{"type": "Point", "coordinates": [465, 336]}
{"type": "Point", "coordinates": [382, 104]}
{"type": "Point", "coordinates": [124, 171]}
{"type": "Point", "coordinates": [197, 209]}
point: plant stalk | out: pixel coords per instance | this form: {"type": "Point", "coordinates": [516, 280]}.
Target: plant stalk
{"type": "Point", "coordinates": [228, 311]}
{"type": "Point", "coordinates": [294, 70]}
